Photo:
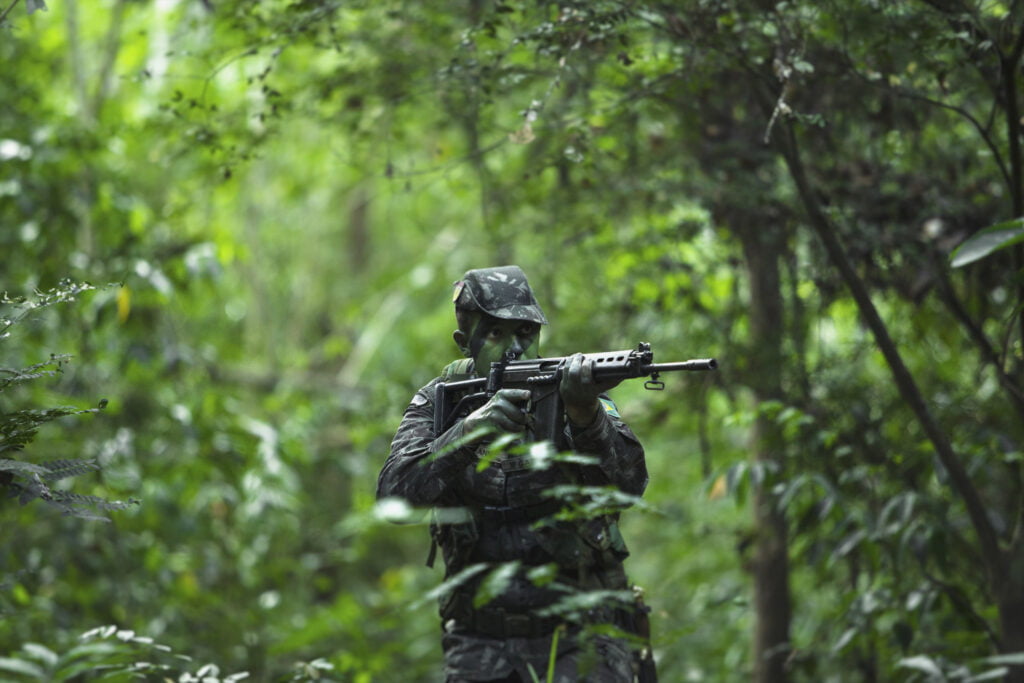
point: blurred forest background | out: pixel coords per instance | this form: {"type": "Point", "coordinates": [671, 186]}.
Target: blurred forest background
{"type": "Point", "coordinates": [228, 231]}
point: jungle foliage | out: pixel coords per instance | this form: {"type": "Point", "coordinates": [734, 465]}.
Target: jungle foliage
{"type": "Point", "coordinates": [827, 196]}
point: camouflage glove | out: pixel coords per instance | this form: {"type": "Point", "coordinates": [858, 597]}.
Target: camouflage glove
{"type": "Point", "coordinates": [580, 391]}
{"type": "Point", "coordinates": [505, 412]}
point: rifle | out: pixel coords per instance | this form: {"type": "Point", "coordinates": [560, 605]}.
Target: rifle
{"type": "Point", "coordinates": [542, 377]}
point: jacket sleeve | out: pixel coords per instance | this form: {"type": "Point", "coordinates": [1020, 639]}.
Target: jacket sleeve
{"type": "Point", "coordinates": [422, 469]}
{"type": "Point", "coordinates": [619, 452]}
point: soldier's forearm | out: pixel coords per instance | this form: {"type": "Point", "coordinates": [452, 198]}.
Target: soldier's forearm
{"type": "Point", "coordinates": [582, 416]}
{"type": "Point", "coordinates": [620, 455]}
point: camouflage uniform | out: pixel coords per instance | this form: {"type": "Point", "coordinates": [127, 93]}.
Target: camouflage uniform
{"type": "Point", "coordinates": [509, 519]}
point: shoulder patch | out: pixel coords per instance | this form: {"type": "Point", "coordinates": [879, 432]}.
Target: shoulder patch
{"type": "Point", "coordinates": [419, 400]}
{"type": "Point", "coordinates": [609, 407]}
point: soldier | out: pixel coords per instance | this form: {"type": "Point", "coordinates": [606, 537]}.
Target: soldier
{"type": "Point", "coordinates": [507, 518]}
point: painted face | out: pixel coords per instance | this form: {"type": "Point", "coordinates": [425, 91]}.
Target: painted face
{"type": "Point", "coordinates": [493, 337]}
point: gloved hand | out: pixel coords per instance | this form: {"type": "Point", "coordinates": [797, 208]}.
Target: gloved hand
{"type": "Point", "coordinates": [504, 412]}
{"type": "Point", "coordinates": [580, 391]}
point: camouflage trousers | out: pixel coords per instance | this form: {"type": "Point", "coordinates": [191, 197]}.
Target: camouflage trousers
{"type": "Point", "coordinates": [469, 657]}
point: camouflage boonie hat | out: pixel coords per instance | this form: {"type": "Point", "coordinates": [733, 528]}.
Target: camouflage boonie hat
{"type": "Point", "coordinates": [502, 292]}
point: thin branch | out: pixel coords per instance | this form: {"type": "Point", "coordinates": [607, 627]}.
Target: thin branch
{"type": "Point", "coordinates": [1008, 68]}
{"type": "Point", "coordinates": [113, 46]}
{"type": "Point", "coordinates": [963, 603]}
{"type": "Point", "coordinates": [76, 56]}
{"type": "Point", "coordinates": [1007, 347]}
{"type": "Point", "coordinates": [1018, 524]}
{"type": "Point", "coordinates": [911, 94]}
{"type": "Point", "coordinates": [977, 335]}
{"type": "Point", "coordinates": [7, 11]}
{"type": "Point", "coordinates": [982, 130]}
{"type": "Point", "coordinates": [1018, 48]}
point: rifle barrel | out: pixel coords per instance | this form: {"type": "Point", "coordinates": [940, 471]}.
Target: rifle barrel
{"type": "Point", "coordinates": [696, 364]}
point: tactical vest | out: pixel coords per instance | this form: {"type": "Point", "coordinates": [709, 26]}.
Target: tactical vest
{"type": "Point", "coordinates": [510, 491]}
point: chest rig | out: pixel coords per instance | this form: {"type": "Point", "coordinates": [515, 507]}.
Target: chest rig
{"type": "Point", "coordinates": [508, 491]}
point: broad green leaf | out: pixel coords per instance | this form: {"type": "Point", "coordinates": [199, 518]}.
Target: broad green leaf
{"type": "Point", "coordinates": [922, 663]}
{"type": "Point", "coordinates": [1013, 658]}
{"type": "Point", "coordinates": [41, 652]}
{"type": "Point", "coordinates": [87, 657]}
{"type": "Point", "coordinates": [849, 543]}
{"type": "Point", "coordinates": [20, 666]}
{"type": "Point", "coordinates": [451, 584]}
{"type": "Point", "coordinates": [987, 241]}
{"type": "Point", "coordinates": [543, 575]}
{"type": "Point", "coordinates": [844, 640]}
{"type": "Point", "coordinates": [581, 601]}
{"type": "Point", "coordinates": [495, 583]}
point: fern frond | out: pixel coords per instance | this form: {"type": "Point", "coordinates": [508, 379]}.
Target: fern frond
{"type": "Point", "coordinates": [29, 488]}
{"type": "Point", "coordinates": [32, 485]}
{"type": "Point", "coordinates": [62, 469]}
{"type": "Point", "coordinates": [20, 427]}
{"type": "Point", "coordinates": [66, 290]}
{"type": "Point", "coordinates": [50, 368]}
{"type": "Point", "coordinates": [21, 468]}
{"type": "Point", "coordinates": [67, 498]}
{"type": "Point", "coordinates": [30, 481]}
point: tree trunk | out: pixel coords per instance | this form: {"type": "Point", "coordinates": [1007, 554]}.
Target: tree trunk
{"type": "Point", "coordinates": [1011, 625]}
{"type": "Point", "coordinates": [762, 248]}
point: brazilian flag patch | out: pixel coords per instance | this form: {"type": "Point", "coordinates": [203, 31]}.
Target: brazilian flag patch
{"type": "Point", "coordinates": [609, 407]}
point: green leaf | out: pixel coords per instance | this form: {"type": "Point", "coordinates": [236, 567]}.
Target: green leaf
{"type": "Point", "coordinates": [44, 654]}
{"type": "Point", "coordinates": [451, 584]}
{"type": "Point", "coordinates": [89, 657]}
{"type": "Point", "coordinates": [844, 640]}
{"type": "Point", "coordinates": [579, 602]}
{"type": "Point", "coordinates": [803, 66]}
{"type": "Point", "coordinates": [1013, 658]}
{"type": "Point", "coordinates": [20, 666]}
{"type": "Point", "coordinates": [543, 574]}
{"type": "Point", "coordinates": [922, 663]}
{"type": "Point", "coordinates": [987, 241]}
{"type": "Point", "coordinates": [991, 675]}
{"type": "Point", "coordinates": [848, 544]}
{"type": "Point", "coordinates": [22, 468]}
{"type": "Point", "coordinates": [495, 583]}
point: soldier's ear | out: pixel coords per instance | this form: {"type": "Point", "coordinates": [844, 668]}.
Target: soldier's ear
{"type": "Point", "coordinates": [462, 341]}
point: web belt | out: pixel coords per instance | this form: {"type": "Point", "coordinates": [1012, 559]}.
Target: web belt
{"type": "Point", "coordinates": [497, 622]}
{"type": "Point", "coordinates": [519, 515]}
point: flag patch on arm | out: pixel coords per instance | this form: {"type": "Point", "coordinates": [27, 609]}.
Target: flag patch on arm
{"type": "Point", "coordinates": [609, 407]}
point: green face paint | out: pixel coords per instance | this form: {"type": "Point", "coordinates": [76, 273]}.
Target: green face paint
{"type": "Point", "coordinates": [493, 338]}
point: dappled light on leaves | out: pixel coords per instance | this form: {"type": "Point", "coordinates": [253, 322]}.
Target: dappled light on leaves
{"type": "Point", "coordinates": [827, 197]}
